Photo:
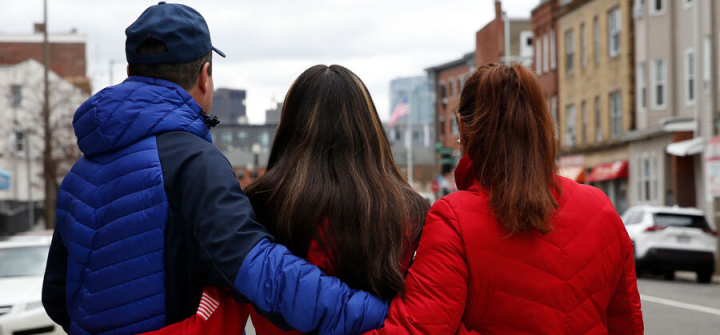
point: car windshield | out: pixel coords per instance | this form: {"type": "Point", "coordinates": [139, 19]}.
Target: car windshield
{"type": "Point", "coordinates": [680, 220]}
{"type": "Point", "coordinates": [23, 261]}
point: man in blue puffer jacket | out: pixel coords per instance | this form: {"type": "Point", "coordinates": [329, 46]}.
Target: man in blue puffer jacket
{"type": "Point", "coordinates": [152, 212]}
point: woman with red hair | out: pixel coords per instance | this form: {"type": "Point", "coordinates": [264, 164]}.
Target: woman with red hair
{"type": "Point", "coordinates": [519, 250]}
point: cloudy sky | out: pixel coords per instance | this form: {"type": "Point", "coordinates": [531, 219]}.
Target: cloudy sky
{"type": "Point", "coordinates": [270, 42]}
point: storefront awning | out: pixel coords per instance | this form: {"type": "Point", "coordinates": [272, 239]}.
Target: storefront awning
{"type": "Point", "coordinates": [4, 179]}
{"type": "Point", "coordinates": [609, 171]}
{"type": "Point", "coordinates": [686, 148]}
{"type": "Point", "coordinates": [576, 173]}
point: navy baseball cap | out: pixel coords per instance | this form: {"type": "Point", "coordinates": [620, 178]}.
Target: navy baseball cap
{"type": "Point", "coordinates": [182, 29]}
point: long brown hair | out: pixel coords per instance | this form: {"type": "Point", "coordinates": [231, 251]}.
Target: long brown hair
{"type": "Point", "coordinates": [331, 171]}
{"type": "Point", "coordinates": [510, 137]}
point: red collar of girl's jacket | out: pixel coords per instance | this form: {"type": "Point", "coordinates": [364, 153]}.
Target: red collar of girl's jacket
{"type": "Point", "coordinates": [464, 176]}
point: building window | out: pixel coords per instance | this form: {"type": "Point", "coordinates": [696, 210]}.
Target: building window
{"type": "Point", "coordinates": [19, 142]}
{"type": "Point", "coordinates": [538, 56]}
{"type": "Point", "coordinates": [583, 48]}
{"type": "Point", "coordinates": [616, 124]}
{"type": "Point", "coordinates": [641, 87]}
{"type": "Point", "coordinates": [648, 177]}
{"type": "Point", "coordinates": [452, 87]}
{"type": "Point", "coordinates": [598, 121]}
{"type": "Point", "coordinates": [596, 41]}
{"type": "Point", "coordinates": [707, 62]}
{"type": "Point", "coordinates": [455, 129]}
{"type": "Point", "coordinates": [443, 95]}
{"type": "Point", "coordinates": [659, 83]}
{"type": "Point", "coordinates": [546, 54]}
{"type": "Point", "coordinates": [614, 26]}
{"type": "Point", "coordinates": [657, 7]}
{"type": "Point", "coordinates": [226, 137]}
{"type": "Point", "coordinates": [461, 83]}
{"type": "Point", "coordinates": [241, 135]}
{"type": "Point", "coordinates": [554, 111]}
{"type": "Point", "coordinates": [264, 138]}
{"type": "Point", "coordinates": [584, 112]}
{"type": "Point", "coordinates": [689, 76]}
{"type": "Point", "coordinates": [569, 51]}
{"type": "Point", "coordinates": [570, 130]}
{"type": "Point", "coordinates": [16, 95]}
{"type": "Point", "coordinates": [553, 59]}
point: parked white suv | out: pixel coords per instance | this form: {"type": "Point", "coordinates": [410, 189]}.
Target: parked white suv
{"type": "Point", "coordinates": [22, 265]}
{"type": "Point", "coordinates": [667, 239]}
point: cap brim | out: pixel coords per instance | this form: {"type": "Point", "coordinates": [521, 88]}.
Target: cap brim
{"type": "Point", "coordinates": [222, 54]}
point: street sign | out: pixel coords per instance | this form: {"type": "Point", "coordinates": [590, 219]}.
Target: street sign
{"type": "Point", "coordinates": [435, 186]}
{"type": "Point", "coordinates": [4, 180]}
{"type": "Point", "coordinates": [712, 166]}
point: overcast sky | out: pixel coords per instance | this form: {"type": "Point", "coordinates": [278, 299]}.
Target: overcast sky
{"type": "Point", "coordinates": [270, 42]}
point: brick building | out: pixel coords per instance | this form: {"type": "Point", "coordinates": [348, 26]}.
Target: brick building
{"type": "Point", "coordinates": [544, 24]}
{"type": "Point", "coordinates": [67, 53]}
{"type": "Point", "coordinates": [449, 79]}
{"type": "Point", "coordinates": [490, 40]}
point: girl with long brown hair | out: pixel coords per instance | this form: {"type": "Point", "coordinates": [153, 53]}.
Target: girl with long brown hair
{"type": "Point", "coordinates": [332, 189]}
{"type": "Point", "coordinates": [519, 250]}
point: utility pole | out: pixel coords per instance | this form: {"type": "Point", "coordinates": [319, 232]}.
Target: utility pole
{"type": "Point", "coordinates": [47, 154]}
{"type": "Point", "coordinates": [410, 145]}
{"type": "Point", "coordinates": [28, 162]}
{"type": "Point", "coordinates": [506, 25]}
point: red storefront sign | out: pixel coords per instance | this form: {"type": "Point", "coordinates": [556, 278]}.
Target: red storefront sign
{"type": "Point", "coordinates": [609, 171]}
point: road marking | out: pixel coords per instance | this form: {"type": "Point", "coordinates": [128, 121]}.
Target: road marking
{"type": "Point", "coordinates": [679, 304]}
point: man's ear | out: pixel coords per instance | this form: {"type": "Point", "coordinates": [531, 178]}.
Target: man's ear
{"type": "Point", "coordinates": [127, 69]}
{"type": "Point", "coordinates": [204, 78]}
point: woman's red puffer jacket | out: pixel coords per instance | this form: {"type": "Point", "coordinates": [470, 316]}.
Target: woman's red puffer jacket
{"type": "Point", "coordinates": [577, 279]}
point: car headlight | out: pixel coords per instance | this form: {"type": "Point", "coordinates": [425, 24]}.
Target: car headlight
{"type": "Point", "coordinates": [33, 305]}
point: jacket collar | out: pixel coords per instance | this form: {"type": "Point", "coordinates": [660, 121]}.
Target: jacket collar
{"type": "Point", "coordinates": [464, 176]}
{"type": "Point", "coordinates": [121, 115]}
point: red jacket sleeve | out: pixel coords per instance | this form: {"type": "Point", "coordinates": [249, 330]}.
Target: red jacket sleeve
{"type": "Point", "coordinates": [436, 285]}
{"type": "Point", "coordinates": [624, 315]}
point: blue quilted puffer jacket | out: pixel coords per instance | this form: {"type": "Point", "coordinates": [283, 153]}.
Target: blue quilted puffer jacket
{"type": "Point", "coordinates": [152, 213]}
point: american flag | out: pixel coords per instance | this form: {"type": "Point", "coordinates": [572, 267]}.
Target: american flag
{"type": "Point", "coordinates": [400, 110]}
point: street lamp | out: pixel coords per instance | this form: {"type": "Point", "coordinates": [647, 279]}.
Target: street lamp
{"type": "Point", "coordinates": [255, 149]}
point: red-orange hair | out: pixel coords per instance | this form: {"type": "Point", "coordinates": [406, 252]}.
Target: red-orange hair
{"type": "Point", "coordinates": [510, 137]}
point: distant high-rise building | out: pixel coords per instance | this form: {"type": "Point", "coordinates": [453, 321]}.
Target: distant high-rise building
{"type": "Point", "coordinates": [272, 115]}
{"type": "Point", "coordinates": [229, 106]}
{"type": "Point", "coordinates": [419, 94]}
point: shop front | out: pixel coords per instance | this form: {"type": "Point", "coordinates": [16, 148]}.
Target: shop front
{"type": "Point", "coordinates": [612, 178]}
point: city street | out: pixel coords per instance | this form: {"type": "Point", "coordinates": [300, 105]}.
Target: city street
{"type": "Point", "coordinates": [681, 306]}
{"type": "Point", "coordinates": [674, 307]}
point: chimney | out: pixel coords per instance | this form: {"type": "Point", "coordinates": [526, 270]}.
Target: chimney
{"type": "Point", "coordinates": [39, 28]}
{"type": "Point", "coordinates": [498, 9]}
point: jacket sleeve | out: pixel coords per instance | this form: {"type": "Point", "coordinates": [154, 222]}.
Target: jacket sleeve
{"type": "Point", "coordinates": [624, 315]}
{"type": "Point", "coordinates": [436, 285]}
{"type": "Point", "coordinates": [53, 291]}
{"type": "Point", "coordinates": [205, 191]}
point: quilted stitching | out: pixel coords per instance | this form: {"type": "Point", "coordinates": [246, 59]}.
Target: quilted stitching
{"type": "Point", "coordinates": [574, 289]}
{"type": "Point", "coordinates": [112, 206]}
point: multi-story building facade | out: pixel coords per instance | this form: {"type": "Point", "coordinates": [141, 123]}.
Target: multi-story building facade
{"type": "Point", "coordinates": [22, 141]}
{"type": "Point", "coordinates": [67, 53]}
{"type": "Point", "coordinates": [229, 106]}
{"type": "Point", "coordinates": [676, 91]}
{"type": "Point", "coordinates": [242, 137]}
{"type": "Point", "coordinates": [491, 45]}
{"type": "Point", "coordinates": [544, 25]}
{"type": "Point", "coordinates": [448, 80]}
{"type": "Point", "coordinates": [596, 91]}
